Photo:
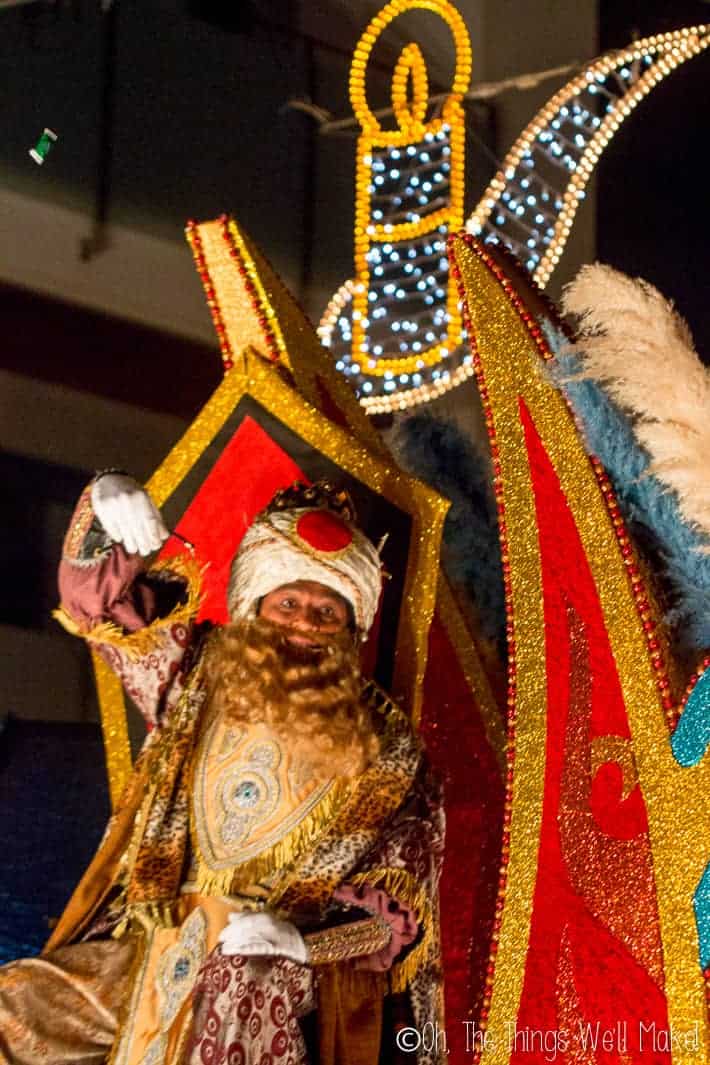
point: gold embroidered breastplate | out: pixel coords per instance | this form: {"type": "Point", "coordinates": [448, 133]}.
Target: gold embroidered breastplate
{"type": "Point", "coordinates": [255, 805]}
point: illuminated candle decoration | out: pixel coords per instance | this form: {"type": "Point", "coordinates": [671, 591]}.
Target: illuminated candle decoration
{"type": "Point", "coordinates": [400, 323]}
{"type": "Point", "coordinates": [531, 202]}
{"type": "Point", "coordinates": [386, 350]}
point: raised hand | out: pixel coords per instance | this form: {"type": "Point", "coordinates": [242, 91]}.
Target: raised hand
{"type": "Point", "coordinates": [128, 514]}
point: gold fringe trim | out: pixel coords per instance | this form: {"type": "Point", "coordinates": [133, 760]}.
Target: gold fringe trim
{"type": "Point", "coordinates": [402, 886]}
{"type": "Point", "coordinates": [378, 699]}
{"type": "Point", "coordinates": [282, 853]}
{"type": "Point", "coordinates": [137, 644]}
{"type": "Point", "coordinates": [145, 915]}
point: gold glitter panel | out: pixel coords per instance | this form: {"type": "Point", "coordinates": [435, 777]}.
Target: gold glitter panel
{"type": "Point", "coordinates": [262, 287]}
{"type": "Point", "coordinates": [115, 729]}
{"type": "Point", "coordinates": [502, 345]}
{"type": "Point", "coordinates": [680, 835]}
{"type": "Point", "coordinates": [239, 312]}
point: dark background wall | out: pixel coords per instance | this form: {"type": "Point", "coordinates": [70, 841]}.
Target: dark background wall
{"type": "Point", "coordinates": [652, 208]}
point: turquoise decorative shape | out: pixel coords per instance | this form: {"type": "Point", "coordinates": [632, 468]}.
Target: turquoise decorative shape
{"type": "Point", "coordinates": [692, 734]}
{"type": "Point", "coordinates": [701, 905]}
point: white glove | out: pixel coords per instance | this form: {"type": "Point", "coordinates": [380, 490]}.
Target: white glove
{"type": "Point", "coordinates": [262, 934]}
{"type": "Point", "coordinates": [128, 514]}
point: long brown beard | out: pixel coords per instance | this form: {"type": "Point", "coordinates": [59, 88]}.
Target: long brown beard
{"type": "Point", "coordinates": [309, 696]}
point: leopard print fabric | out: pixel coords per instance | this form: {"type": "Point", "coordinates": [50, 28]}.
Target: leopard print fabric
{"type": "Point", "coordinates": [162, 823]}
{"type": "Point", "coordinates": [375, 797]}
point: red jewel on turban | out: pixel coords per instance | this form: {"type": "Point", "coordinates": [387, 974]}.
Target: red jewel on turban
{"type": "Point", "coordinates": [323, 531]}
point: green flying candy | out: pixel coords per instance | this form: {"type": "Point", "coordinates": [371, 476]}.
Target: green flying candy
{"type": "Point", "coordinates": [43, 146]}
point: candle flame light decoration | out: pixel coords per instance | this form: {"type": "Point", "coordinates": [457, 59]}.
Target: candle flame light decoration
{"type": "Point", "coordinates": [404, 321]}
{"type": "Point", "coordinates": [394, 330]}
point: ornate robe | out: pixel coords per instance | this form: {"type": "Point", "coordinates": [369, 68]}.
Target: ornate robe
{"type": "Point", "coordinates": [215, 819]}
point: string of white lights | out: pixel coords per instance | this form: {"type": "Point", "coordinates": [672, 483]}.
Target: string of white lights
{"type": "Point", "coordinates": [565, 140]}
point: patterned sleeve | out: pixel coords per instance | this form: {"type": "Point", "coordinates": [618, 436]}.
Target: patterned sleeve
{"type": "Point", "coordinates": [399, 918]}
{"type": "Point", "coordinates": [403, 869]}
{"type": "Point", "coordinates": [140, 620]}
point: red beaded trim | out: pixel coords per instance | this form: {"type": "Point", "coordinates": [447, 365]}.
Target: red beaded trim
{"type": "Point", "coordinates": [193, 235]}
{"type": "Point", "coordinates": [637, 585]}
{"type": "Point", "coordinates": [692, 681]}
{"type": "Point", "coordinates": [249, 276]}
{"type": "Point", "coordinates": [706, 974]}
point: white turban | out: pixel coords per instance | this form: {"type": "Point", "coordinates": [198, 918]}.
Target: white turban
{"type": "Point", "coordinates": [305, 544]}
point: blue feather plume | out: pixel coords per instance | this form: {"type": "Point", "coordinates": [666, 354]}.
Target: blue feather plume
{"type": "Point", "coordinates": [649, 508]}
{"type": "Point", "coordinates": [438, 452]}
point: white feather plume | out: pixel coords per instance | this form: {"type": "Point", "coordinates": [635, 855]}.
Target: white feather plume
{"type": "Point", "coordinates": [640, 350]}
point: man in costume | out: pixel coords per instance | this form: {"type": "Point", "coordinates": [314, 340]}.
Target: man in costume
{"type": "Point", "coordinates": [266, 889]}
